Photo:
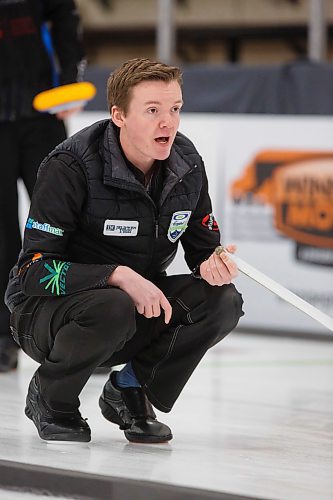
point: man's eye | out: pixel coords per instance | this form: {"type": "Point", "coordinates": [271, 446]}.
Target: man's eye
{"type": "Point", "coordinates": [152, 111]}
{"type": "Point", "coordinates": [176, 109]}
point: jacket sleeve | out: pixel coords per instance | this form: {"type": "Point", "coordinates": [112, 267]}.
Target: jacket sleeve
{"type": "Point", "coordinates": [55, 211]}
{"type": "Point", "coordinates": [66, 37]}
{"type": "Point", "coordinates": [202, 235]}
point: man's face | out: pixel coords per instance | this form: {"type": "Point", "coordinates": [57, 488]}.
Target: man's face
{"type": "Point", "coordinates": [148, 129]}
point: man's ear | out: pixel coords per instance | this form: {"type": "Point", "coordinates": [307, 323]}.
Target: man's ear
{"type": "Point", "coordinates": [117, 116]}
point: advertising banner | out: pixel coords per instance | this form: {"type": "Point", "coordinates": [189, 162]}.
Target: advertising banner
{"type": "Point", "coordinates": [278, 209]}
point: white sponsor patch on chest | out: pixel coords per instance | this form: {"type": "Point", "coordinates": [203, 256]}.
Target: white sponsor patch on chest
{"type": "Point", "coordinates": [120, 227]}
{"type": "Point", "coordinates": [178, 224]}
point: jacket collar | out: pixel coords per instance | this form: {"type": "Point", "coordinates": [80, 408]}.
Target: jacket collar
{"type": "Point", "coordinates": [117, 173]}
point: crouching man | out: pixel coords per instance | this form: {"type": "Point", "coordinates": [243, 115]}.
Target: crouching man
{"type": "Point", "coordinates": [90, 288]}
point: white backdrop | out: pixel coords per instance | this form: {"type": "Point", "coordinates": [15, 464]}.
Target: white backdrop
{"type": "Point", "coordinates": [228, 143]}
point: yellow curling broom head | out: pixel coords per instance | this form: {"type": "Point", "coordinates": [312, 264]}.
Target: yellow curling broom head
{"type": "Point", "coordinates": [64, 97]}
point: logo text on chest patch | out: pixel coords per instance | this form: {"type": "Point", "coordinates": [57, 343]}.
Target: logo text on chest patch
{"type": "Point", "coordinates": [121, 227]}
{"type": "Point", "coordinates": [178, 224]}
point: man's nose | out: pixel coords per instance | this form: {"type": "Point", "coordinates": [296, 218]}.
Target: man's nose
{"type": "Point", "coordinates": [166, 121]}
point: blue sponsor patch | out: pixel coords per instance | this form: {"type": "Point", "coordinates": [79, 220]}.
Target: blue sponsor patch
{"type": "Point", "coordinates": [44, 226]}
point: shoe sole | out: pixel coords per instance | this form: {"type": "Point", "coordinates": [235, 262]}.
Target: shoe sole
{"type": "Point", "coordinates": [148, 439]}
{"type": "Point", "coordinates": [75, 438]}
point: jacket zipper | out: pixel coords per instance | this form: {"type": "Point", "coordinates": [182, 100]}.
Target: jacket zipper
{"type": "Point", "coordinates": [189, 172]}
{"type": "Point", "coordinates": [156, 218]}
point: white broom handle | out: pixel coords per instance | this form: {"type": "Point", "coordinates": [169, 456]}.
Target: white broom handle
{"type": "Point", "coordinates": [280, 290]}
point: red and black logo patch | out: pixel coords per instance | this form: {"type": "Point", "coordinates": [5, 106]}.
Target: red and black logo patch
{"type": "Point", "coordinates": [210, 223]}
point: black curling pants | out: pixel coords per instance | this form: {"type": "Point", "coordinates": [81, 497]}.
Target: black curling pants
{"type": "Point", "coordinates": [70, 336]}
{"type": "Point", "coordinates": [23, 145]}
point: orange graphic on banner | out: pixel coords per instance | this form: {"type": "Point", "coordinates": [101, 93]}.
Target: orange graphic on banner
{"type": "Point", "coordinates": [299, 185]}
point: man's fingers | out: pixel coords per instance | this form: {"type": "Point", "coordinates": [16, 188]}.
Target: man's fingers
{"type": "Point", "coordinates": [222, 270]}
{"type": "Point", "coordinates": [148, 312]}
{"type": "Point", "coordinates": [140, 308]}
{"type": "Point", "coordinates": [215, 268]}
{"type": "Point", "coordinates": [166, 306]}
{"type": "Point", "coordinates": [206, 272]}
{"type": "Point", "coordinates": [229, 263]}
{"type": "Point", "coordinates": [231, 248]}
{"type": "Point", "coordinates": [156, 309]}
{"type": "Point", "coordinates": [219, 269]}
{"type": "Point", "coordinates": [153, 309]}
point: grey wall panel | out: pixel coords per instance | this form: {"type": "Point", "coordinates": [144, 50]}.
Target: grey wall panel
{"type": "Point", "coordinates": [299, 88]}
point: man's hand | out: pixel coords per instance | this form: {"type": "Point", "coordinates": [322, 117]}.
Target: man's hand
{"type": "Point", "coordinates": [148, 298]}
{"type": "Point", "coordinates": [220, 269]}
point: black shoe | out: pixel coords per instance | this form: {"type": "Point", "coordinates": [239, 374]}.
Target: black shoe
{"type": "Point", "coordinates": [8, 355]}
{"type": "Point", "coordinates": [71, 427]}
{"type": "Point", "coordinates": [131, 410]}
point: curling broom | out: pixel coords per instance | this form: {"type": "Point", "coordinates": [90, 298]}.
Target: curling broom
{"type": "Point", "coordinates": [280, 290]}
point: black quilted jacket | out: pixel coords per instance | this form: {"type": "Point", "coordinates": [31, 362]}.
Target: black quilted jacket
{"type": "Point", "coordinates": [89, 213]}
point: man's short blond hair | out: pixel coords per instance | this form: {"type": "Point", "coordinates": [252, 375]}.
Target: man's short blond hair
{"type": "Point", "coordinates": [134, 71]}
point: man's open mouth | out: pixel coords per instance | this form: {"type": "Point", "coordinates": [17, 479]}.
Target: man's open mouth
{"type": "Point", "coordinates": [162, 140]}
